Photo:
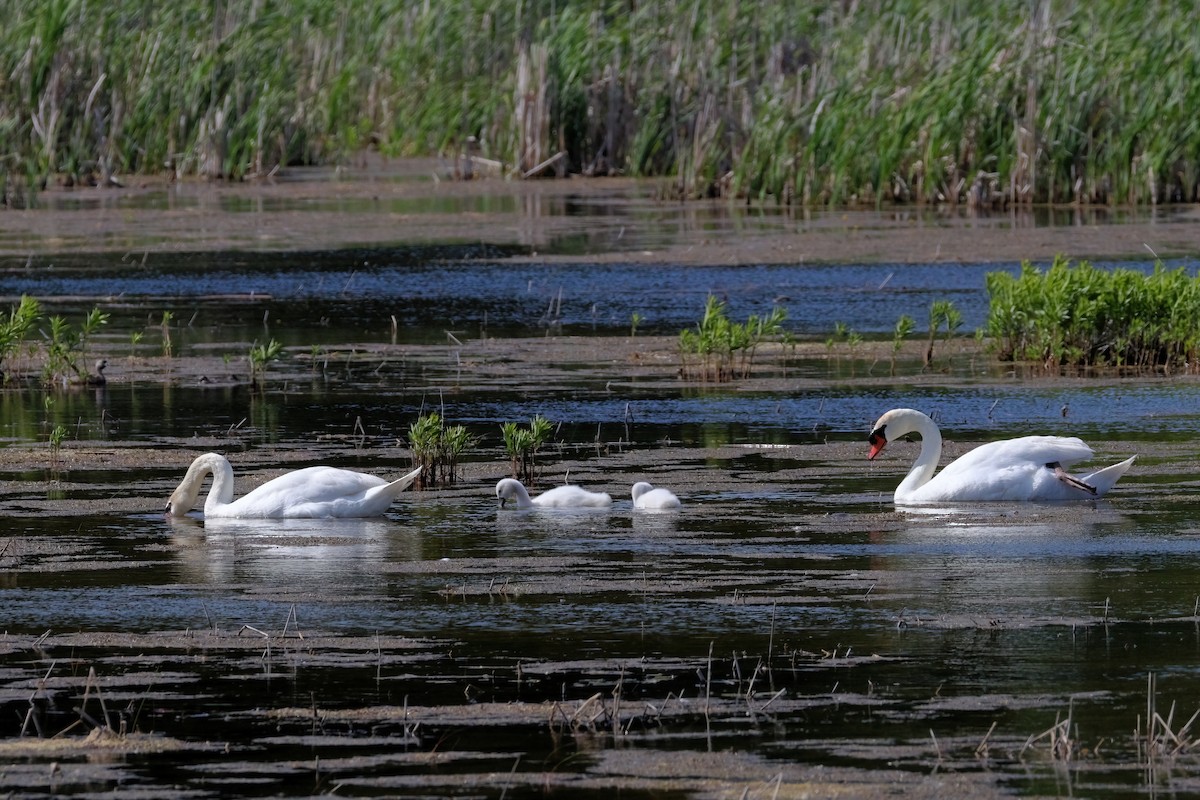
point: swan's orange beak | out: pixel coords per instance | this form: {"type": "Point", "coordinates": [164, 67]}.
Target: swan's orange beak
{"type": "Point", "coordinates": [878, 442]}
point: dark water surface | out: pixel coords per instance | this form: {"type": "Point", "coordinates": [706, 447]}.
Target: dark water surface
{"type": "Point", "coordinates": [330, 297]}
{"type": "Point", "coordinates": [829, 637]}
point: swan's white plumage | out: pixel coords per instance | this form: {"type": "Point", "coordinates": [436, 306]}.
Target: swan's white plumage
{"type": "Point", "coordinates": [558, 497]}
{"type": "Point", "coordinates": [647, 497]}
{"type": "Point", "coordinates": [1029, 468]}
{"type": "Point", "coordinates": [306, 493]}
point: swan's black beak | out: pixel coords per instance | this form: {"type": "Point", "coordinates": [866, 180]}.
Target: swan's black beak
{"type": "Point", "coordinates": [502, 502]}
{"type": "Point", "coordinates": [878, 441]}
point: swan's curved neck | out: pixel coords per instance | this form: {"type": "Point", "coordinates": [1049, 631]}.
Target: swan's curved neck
{"type": "Point", "coordinates": [523, 499]}
{"type": "Point", "coordinates": [221, 493]}
{"type": "Point", "coordinates": [513, 489]}
{"type": "Point", "coordinates": [931, 452]}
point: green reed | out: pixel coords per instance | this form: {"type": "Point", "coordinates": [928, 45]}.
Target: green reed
{"type": "Point", "coordinates": [720, 350]}
{"type": "Point", "coordinates": [1082, 315]}
{"type": "Point", "coordinates": [437, 449]}
{"type": "Point", "coordinates": [522, 445]}
{"type": "Point", "coordinates": [870, 102]}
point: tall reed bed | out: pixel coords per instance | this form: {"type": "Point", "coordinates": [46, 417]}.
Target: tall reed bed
{"type": "Point", "coordinates": [817, 103]}
{"type": "Point", "coordinates": [1081, 315]}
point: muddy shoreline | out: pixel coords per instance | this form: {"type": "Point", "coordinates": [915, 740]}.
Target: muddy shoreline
{"type": "Point", "coordinates": [381, 203]}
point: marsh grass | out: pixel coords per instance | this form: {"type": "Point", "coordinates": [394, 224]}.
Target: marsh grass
{"type": "Point", "coordinates": [15, 329]}
{"type": "Point", "coordinates": [523, 443]}
{"type": "Point", "coordinates": [960, 102]}
{"type": "Point", "coordinates": [260, 356]}
{"type": "Point", "coordinates": [1081, 315]}
{"type": "Point", "coordinates": [942, 314]}
{"type": "Point", "coordinates": [719, 350]}
{"type": "Point", "coordinates": [64, 345]}
{"type": "Point", "coordinates": [437, 449]}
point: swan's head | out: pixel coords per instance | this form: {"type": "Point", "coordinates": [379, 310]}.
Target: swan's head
{"type": "Point", "coordinates": [508, 489]}
{"type": "Point", "coordinates": [896, 423]}
{"type": "Point", "coordinates": [178, 504]}
{"type": "Point", "coordinates": [878, 440]}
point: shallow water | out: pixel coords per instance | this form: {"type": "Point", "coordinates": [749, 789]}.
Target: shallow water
{"type": "Point", "coordinates": [820, 628]}
{"type": "Point", "coordinates": [321, 298]}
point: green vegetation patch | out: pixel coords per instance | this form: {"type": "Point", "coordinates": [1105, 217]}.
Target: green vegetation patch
{"type": "Point", "coordinates": [816, 103]}
{"type": "Point", "coordinates": [1081, 315]}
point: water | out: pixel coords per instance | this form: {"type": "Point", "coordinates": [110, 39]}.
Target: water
{"type": "Point", "coordinates": [332, 297]}
{"type": "Point", "coordinates": [824, 633]}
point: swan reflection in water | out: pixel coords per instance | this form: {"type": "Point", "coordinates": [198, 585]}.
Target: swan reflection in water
{"type": "Point", "coordinates": [1016, 561]}
{"type": "Point", "coordinates": [305, 552]}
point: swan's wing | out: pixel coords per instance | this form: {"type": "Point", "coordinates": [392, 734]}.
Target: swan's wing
{"type": "Point", "coordinates": [1038, 450]}
{"type": "Point", "coordinates": [304, 493]}
{"type": "Point", "coordinates": [572, 497]}
{"type": "Point", "coordinates": [1008, 470]}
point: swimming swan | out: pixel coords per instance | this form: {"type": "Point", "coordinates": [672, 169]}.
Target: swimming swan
{"type": "Point", "coordinates": [305, 493]}
{"type": "Point", "coordinates": [558, 497]}
{"type": "Point", "coordinates": [1029, 468]}
{"type": "Point", "coordinates": [647, 497]}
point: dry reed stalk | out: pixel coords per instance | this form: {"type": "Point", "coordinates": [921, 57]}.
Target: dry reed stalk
{"type": "Point", "coordinates": [982, 750]}
{"type": "Point", "coordinates": [291, 621]}
{"type": "Point", "coordinates": [708, 683]}
{"type": "Point", "coordinates": [616, 693]}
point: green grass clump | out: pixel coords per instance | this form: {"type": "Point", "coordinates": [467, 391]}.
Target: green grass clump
{"type": "Point", "coordinates": [719, 350]}
{"type": "Point", "coordinates": [1081, 315]}
{"type": "Point", "coordinates": [14, 329]}
{"type": "Point", "coordinates": [437, 448]}
{"type": "Point", "coordinates": [260, 356]}
{"type": "Point", "coordinates": [522, 445]}
{"type": "Point", "coordinates": [941, 101]}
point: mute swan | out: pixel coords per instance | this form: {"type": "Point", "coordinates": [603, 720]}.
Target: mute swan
{"type": "Point", "coordinates": [558, 497]}
{"type": "Point", "coordinates": [305, 493]}
{"type": "Point", "coordinates": [647, 497]}
{"type": "Point", "coordinates": [1023, 469]}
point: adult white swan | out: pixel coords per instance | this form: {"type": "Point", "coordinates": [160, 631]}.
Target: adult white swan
{"type": "Point", "coordinates": [647, 497]}
{"type": "Point", "coordinates": [1029, 468]}
{"type": "Point", "coordinates": [305, 493]}
{"type": "Point", "coordinates": [558, 497]}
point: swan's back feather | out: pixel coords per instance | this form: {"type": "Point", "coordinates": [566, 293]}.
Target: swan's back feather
{"type": "Point", "coordinates": [572, 497]}
{"type": "Point", "coordinates": [645, 496]}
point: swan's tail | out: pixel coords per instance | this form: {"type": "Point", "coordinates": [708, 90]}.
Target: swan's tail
{"type": "Point", "coordinates": [400, 484]}
{"type": "Point", "coordinates": [1106, 478]}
